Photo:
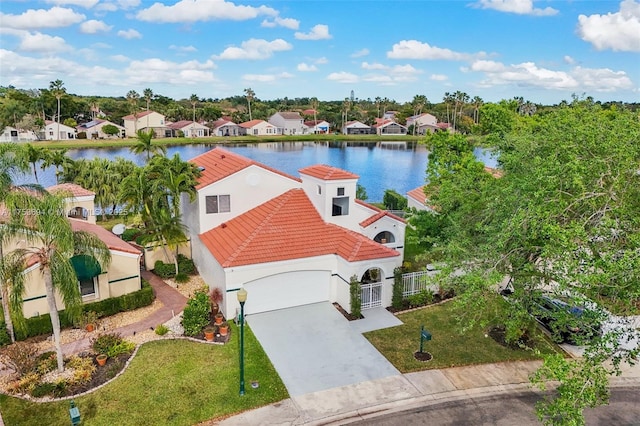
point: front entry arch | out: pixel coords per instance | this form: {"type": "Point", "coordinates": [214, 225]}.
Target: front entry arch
{"type": "Point", "coordinates": [371, 289]}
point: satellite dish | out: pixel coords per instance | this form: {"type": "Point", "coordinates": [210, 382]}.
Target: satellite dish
{"type": "Point", "coordinates": [119, 229]}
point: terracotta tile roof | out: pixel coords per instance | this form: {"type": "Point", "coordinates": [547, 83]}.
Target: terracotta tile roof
{"type": "Point", "coordinates": [379, 214]}
{"type": "Point", "coordinates": [418, 195]}
{"type": "Point", "coordinates": [180, 124]}
{"type": "Point", "coordinates": [496, 173]}
{"type": "Point", "coordinates": [324, 172]}
{"type": "Point", "coordinates": [288, 115]}
{"type": "Point", "coordinates": [138, 116]}
{"type": "Point", "coordinates": [220, 163]}
{"type": "Point", "coordinates": [250, 124]}
{"type": "Point", "coordinates": [111, 240]}
{"type": "Point", "coordinates": [284, 228]}
{"type": "Point", "coordinates": [70, 188]}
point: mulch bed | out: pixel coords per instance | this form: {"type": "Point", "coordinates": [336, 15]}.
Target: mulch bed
{"type": "Point", "coordinates": [406, 306]}
{"type": "Point", "coordinates": [422, 356]}
{"type": "Point", "coordinates": [346, 314]}
{"type": "Point", "coordinates": [102, 374]}
{"type": "Point", "coordinates": [498, 334]}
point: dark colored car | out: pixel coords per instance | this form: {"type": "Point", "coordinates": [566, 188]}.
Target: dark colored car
{"type": "Point", "coordinates": [565, 321]}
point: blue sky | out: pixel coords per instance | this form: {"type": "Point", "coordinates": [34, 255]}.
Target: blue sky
{"type": "Point", "coordinates": [544, 51]}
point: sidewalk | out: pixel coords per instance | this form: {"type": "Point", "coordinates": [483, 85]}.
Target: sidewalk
{"type": "Point", "coordinates": [398, 393]}
{"type": "Point", "coordinates": [173, 302]}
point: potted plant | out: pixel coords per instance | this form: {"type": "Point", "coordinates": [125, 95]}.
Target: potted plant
{"type": "Point", "coordinates": [215, 296]}
{"type": "Point", "coordinates": [89, 319]}
{"type": "Point", "coordinates": [218, 318]}
{"type": "Point", "coordinates": [101, 359]}
{"type": "Point", "coordinates": [209, 332]}
{"type": "Point", "coordinates": [224, 328]}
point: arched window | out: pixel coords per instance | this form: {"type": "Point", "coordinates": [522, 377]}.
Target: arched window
{"type": "Point", "coordinates": [384, 237]}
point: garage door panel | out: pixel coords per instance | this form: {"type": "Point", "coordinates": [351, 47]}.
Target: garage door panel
{"type": "Point", "coordinates": [287, 290]}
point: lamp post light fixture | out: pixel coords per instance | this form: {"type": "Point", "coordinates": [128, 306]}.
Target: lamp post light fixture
{"type": "Point", "coordinates": [242, 297]}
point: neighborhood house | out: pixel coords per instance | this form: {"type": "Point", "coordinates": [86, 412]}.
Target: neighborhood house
{"type": "Point", "coordinates": [289, 241]}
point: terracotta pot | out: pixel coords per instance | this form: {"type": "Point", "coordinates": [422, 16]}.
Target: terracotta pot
{"type": "Point", "coordinates": [224, 330]}
{"type": "Point", "coordinates": [218, 319]}
{"type": "Point", "coordinates": [208, 335]}
{"type": "Point", "coordinates": [89, 327]}
{"type": "Point", "coordinates": [102, 359]}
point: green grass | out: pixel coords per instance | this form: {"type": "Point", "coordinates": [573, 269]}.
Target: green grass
{"type": "Point", "coordinates": [448, 346]}
{"type": "Point", "coordinates": [171, 382]}
{"type": "Point", "coordinates": [118, 143]}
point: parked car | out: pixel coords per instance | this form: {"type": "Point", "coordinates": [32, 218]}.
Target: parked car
{"type": "Point", "coordinates": [566, 321]}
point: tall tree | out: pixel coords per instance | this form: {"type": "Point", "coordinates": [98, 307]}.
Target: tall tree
{"type": "Point", "coordinates": [51, 242]}
{"type": "Point", "coordinates": [55, 157]}
{"type": "Point", "coordinates": [249, 94]}
{"type": "Point", "coordinates": [563, 217]}
{"type": "Point", "coordinates": [34, 154]}
{"type": "Point", "coordinates": [132, 100]}
{"type": "Point", "coordinates": [58, 90]}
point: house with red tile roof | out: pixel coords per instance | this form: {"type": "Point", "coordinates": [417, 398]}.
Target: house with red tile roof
{"type": "Point", "coordinates": [289, 241]}
{"type": "Point", "coordinates": [95, 281]}
{"type": "Point", "coordinates": [145, 121]}
{"type": "Point", "coordinates": [257, 128]}
{"type": "Point", "coordinates": [225, 127]}
{"type": "Point", "coordinates": [417, 199]}
{"type": "Point", "coordinates": [189, 129]}
{"type": "Point", "coordinates": [389, 128]}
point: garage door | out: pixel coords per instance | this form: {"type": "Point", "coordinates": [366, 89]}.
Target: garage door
{"type": "Point", "coordinates": [287, 290]}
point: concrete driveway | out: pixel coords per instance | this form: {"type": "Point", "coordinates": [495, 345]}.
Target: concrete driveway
{"type": "Point", "coordinates": [314, 348]}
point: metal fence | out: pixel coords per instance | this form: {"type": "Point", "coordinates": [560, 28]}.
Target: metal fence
{"type": "Point", "coordinates": [416, 282]}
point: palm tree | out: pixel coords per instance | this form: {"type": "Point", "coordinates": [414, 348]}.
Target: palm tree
{"type": "Point", "coordinates": [143, 144]}
{"type": "Point", "coordinates": [194, 101]}
{"type": "Point", "coordinates": [51, 243]}
{"type": "Point", "coordinates": [57, 89]}
{"type": "Point", "coordinates": [172, 177]}
{"type": "Point", "coordinates": [148, 95]}
{"type": "Point", "coordinates": [167, 231]}
{"type": "Point", "coordinates": [135, 193]}
{"type": "Point", "coordinates": [249, 94]}
{"type": "Point", "coordinates": [57, 158]}
{"type": "Point", "coordinates": [314, 105]}
{"type": "Point", "coordinates": [418, 102]}
{"type": "Point", "coordinates": [477, 103]}
{"type": "Point", "coordinates": [132, 99]}
{"type": "Point", "coordinates": [33, 154]}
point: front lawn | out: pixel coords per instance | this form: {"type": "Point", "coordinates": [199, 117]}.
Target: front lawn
{"type": "Point", "coordinates": [448, 346]}
{"type": "Point", "coordinates": [169, 382]}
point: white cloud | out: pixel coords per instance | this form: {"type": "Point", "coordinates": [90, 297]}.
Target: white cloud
{"type": "Point", "coordinates": [528, 74]}
{"type": "Point", "coordinates": [373, 66]}
{"type": "Point", "coordinates": [38, 42]}
{"type": "Point", "coordinates": [360, 53]}
{"type": "Point", "coordinates": [568, 60]}
{"type": "Point", "coordinates": [519, 7]}
{"type": "Point", "coordinates": [255, 49]}
{"type": "Point", "coordinates": [306, 67]}
{"type": "Point", "coordinates": [414, 49]}
{"type": "Point", "coordinates": [129, 34]}
{"type": "Point", "coordinates": [319, 32]}
{"type": "Point", "coordinates": [321, 61]}
{"type": "Point", "coordinates": [56, 17]}
{"type": "Point", "coordinates": [83, 3]}
{"type": "Point", "coordinates": [266, 78]}
{"type": "Point", "coordinates": [618, 31]}
{"type": "Point", "coordinates": [202, 10]}
{"type": "Point", "coordinates": [161, 71]}
{"type": "Point", "coordinates": [92, 27]}
{"type": "Point", "coordinates": [343, 77]}
{"type": "Point", "coordinates": [101, 45]}
{"type": "Point", "coordinates": [385, 80]}
{"type": "Point", "coordinates": [183, 48]}
{"type": "Point", "coordinates": [119, 58]}
{"type": "Point", "coordinates": [290, 23]}
{"type": "Point", "coordinates": [438, 77]}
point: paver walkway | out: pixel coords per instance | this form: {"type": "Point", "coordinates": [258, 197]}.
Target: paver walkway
{"type": "Point", "coordinates": [173, 302]}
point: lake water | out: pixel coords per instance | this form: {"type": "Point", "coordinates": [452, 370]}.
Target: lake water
{"type": "Point", "coordinates": [396, 165]}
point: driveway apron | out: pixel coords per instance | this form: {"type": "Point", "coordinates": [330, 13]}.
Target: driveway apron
{"type": "Point", "coordinates": [313, 348]}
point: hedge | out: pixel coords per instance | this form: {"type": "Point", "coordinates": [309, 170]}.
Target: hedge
{"type": "Point", "coordinates": [36, 326]}
{"type": "Point", "coordinates": [168, 270]}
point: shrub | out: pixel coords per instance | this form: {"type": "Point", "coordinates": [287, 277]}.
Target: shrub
{"type": "Point", "coordinates": [20, 357]}
{"type": "Point", "coordinates": [104, 342]}
{"type": "Point", "coordinates": [164, 270]}
{"type": "Point", "coordinates": [355, 293]}
{"type": "Point", "coordinates": [393, 200]}
{"type": "Point", "coordinates": [425, 297]}
{"type": "Point", "coordinates": [182, 278]}
{"type": "Point", "coordinates": [396, 297]}
{"type": "Point", "coordinates": [83, 369]}
{"type": "Point", "coordinates": [130, 234]}
{"type": "Point", "coordinates": [25, 384]}
{"type": "Point", "coordinates": [124, 347]}
{"type": "Point", "coordinates": [186, 265]}
{"type": "Point", "coordinates": [46, 362]}
{"type": "Point", "coordinates": [196, 314]}
{"type": "Point", "coordinates": [161, 330]}
{"type": "Point", "coordinates": [81, 135]}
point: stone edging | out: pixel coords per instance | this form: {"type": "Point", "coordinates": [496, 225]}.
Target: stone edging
{"type": "Point", "coordinates": [425, 306]}
{"type": "Point", "coordinates": [126, 365]}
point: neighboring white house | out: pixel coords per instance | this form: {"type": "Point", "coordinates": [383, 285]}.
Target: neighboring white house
{"type": "Point", "coordinates": [54, 131]}
{"type": "Point", "coordinates": [390, 127]}
{"type": "Point", "coordinates": [417, 199]}
{"type": "Point", "coordinates": [288, 241]}
{"type": "Point", "coordinates": [258, 128]}
{"type": "Point", "coordinates": [357, 128]}
{"type": "Point", "coordinates": [423, 123]}
{"type": "Point", "coordinates": [225, 127]}
{"type": "Point", "coordinates": [189, 129]}
{"type": "Point", "coordinates": [93, 129]}
{"type": "Point", "coordinates": [289, 123]}
{"type": "Point", "coordinates": [11, 134]}
{"type": "Point", "coordinates": [318, 126]}
{"type": "Point", "coordinates": [145, 121]}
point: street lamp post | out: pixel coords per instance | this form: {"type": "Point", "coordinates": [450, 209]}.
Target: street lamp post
{"type": "Point", "coordinates": [242, 297]}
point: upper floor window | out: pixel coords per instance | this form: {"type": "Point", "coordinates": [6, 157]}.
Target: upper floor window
{"type": "Point", "coordinates": [218, 203]}
{"type": "Point", "coordinates": [340, 206]}
{"type": "Point", "coordinates": [340, 192]}
{"type": "Point", "coordinates": [319, 190]}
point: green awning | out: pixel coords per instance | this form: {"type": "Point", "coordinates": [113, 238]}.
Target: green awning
{"type": "Point", "coordinates": [86, 266]}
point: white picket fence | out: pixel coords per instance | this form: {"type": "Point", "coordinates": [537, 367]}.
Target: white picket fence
{"type": "Point", "coordinates": [416, 282]}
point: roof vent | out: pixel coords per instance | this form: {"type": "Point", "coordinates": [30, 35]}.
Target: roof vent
{"type": "Point", "coordinates": [223, 156]}
{"type": "Point", "coordinates": [223, 225]}
{"type": "Point", "coordinates": [201, 168]}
